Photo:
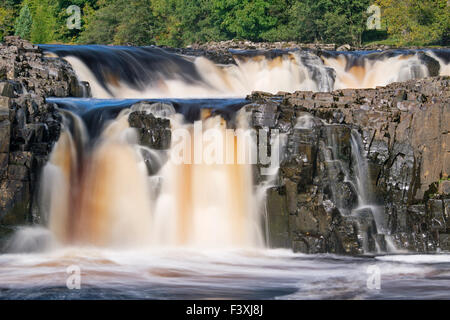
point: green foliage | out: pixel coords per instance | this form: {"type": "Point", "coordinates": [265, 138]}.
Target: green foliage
{"type": "Point", "coordinates": [417, 21]}
{"type": "Point", "coordinates": [185, 22]}
{"type": "Point", "coordinates": [101, 25]}
{"type": "Point", "coordinates": [44, 21]}
{"type": "Point", "coordinates": [6, 22]}
{"type": "Point", "coordinates": [137, 24]}
{"type": "Point", "coordinates": [182, 22]}
{"type": "Point", "coordinates": [24, 23]}
{"type": "Point", "coordinates": [246, 19]}
{"type": "Point", "coordinates": [341, 21]}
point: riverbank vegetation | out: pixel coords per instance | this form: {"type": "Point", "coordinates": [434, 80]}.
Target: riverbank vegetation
{"type": "Point", "coordinates": [180, 23]}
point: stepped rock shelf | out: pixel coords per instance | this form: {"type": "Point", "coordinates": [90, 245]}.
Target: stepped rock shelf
{"type": "Point", "coordinates": [399, 134]}
{"type": "Point", "coordinates": [29, 126]}
{"type": "Point", "coordinates": [405, 137]}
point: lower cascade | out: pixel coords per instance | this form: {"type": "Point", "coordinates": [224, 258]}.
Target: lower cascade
{"type": "Point", "coordinates": [99, 197]}
{"type": "Point", "coordinates": [100, 192]}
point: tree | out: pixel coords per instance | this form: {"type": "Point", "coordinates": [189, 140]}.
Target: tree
{"type": "Point", "coordinates": [63, 33]}
{"type": "Point", "coordinates": [340, 21]}
{"type": "Point", "coordinates": [182, 22]}
{"type": "Point", "coordinates": [6, 22]}
{"type": "Point", "coordinates": [247, 19]}
{"type": "Point", "coordinates": [416, 21]}
{"type": "Point", "coordinates": [44, 21]}
{"type": "Point", "coordinates": [24, 23]}
{"type": "Point", "coordinates": [137, 24]}
{"type": "Point", "coordinates": [101, 25]}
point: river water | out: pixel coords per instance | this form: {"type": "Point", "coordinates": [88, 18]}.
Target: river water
{"type": "Point", "coordinates": [177, 273]}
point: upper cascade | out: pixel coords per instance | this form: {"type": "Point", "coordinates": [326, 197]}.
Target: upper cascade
{"type": "Point", "coordinates": [152, 72]}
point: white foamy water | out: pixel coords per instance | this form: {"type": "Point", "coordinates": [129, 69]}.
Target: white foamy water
{"type": "Point", "coordinates": [153, 73]}
{"type": "Point", "coordinates": [175, 273]}
{"type": "Point", "coordinates": [218, 81]}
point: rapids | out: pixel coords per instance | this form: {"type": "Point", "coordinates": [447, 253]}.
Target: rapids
{"type": "Point", "coordinates": [151, 72]}
{"type": "Point", "coordinates": [224, 274]}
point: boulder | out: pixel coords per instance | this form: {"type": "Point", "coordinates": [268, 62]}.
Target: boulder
{"type": "Point", "coordinates": [29, 126]}
{"type": "Point", "coordinates": [154, 132]}
{"type": "Point", "coordinates": [404, 129]}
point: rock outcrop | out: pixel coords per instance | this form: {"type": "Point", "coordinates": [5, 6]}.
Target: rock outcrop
{"type": "Point", "coordinates": [28, 125]}
{"type": "Point", "coordinates": [404, 132]}
{"type": "Point", "coordinates": [224, 46]}
{"type": "Point", "coordinates": [222, 51]}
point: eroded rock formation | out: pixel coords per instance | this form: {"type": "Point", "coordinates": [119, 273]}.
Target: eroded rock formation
{"type": "Point", "coordinates": [28, 125]}
{"type": "Point", "coordinates": [405, 136]}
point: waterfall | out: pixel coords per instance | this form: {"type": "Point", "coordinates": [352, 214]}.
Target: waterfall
{"type": "Point", "coordinates": [96, 188]}
{"type": "Point", "coordinates": [350, 185]}
{"type": "Point", "coordinates": [204, 202]}
{"type": "Point", "coordinates": [366, 203]}
{"type": "Point", "coordinates": [98, 196]}
{"type": "Point", "coordinates": [106, 198]}
{"type": "Point", "coordinates": [150, 72]}
{"type": "Point", "coordinates": [361, 70]}
{"type": "Point", "coordinates": [361, 169]}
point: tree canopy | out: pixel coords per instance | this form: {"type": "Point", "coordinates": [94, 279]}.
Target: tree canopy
{"type": "Point", "coordinates": [181, 22]}
{"type": "Point", "coordinates": [417, 21]}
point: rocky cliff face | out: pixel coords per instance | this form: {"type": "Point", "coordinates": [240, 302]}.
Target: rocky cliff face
{"type": "Point", "coordinates": [361, 170]}
{"type": "Point", "coordinates": [28, 125]}
{"type": "Point", "coordinates": [404, 133]}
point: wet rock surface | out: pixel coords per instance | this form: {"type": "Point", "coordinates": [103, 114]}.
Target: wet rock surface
{"type": "Point", "coordinates": [278, 45]}
{"type": "Point", "coordinates": [314, 205]}
{"type": "Point", "coordinates": [223, 52]}
{"type": "Point", "coordinates": [28, 125]}
{"type": "Point", "coordinates": [404, 129]}
{"type": "Point", "coordinates": [154, 132]}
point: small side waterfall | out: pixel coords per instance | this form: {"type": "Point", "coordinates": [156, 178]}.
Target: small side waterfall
{"type": "Point", "coordinates": [367, 208]}
{"type": "Point", "coordinates": [350, 185]}
{"type": "Point", "coordinates": [361, 170]}
{"type": "Point", "coordinates": [337, 157]}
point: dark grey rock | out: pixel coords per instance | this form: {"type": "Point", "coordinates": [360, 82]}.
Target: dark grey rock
{"type": "Point", "coordinates": [406, 151]}
{"type": "Point", "coordinates": [154, 132]}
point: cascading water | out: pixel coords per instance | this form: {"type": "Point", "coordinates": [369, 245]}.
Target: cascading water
{"type": "Point", "coordinates": [98, 196]}
{"type": "Point", "coordinates": [103, 196]}
{"type": "Point", "coordinates": [149, 72]}
{"type": "Point", "coordinates": [361, 170]}
{"type": "Point", "coordinates": [366, 202]}
{"type": "Point", "coordinates": [337, 164]}
{"type": "Point", "coordinates": [207, 202]}
{"type": "Point", "coordinates": [350, 185]}
{"type": "Point", "coordinates": [379, 69]}
{"type": "Point", "coordinates": [112, 167]}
